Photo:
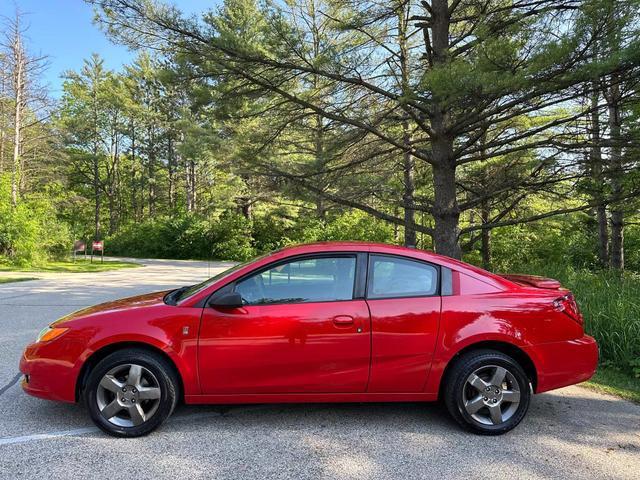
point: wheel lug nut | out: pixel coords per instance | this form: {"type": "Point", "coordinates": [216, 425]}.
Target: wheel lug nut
{"type": "Point", "coordinates": [124, 389]}
{"type": "Point", "coordinates": [133, 400]}
{"type": "Point", "coordinates": [485, 399]}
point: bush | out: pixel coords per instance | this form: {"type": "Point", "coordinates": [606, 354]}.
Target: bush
{"type": "Point", "coordinates": [563, 241]}
{"type": "Point", "coordinates": [609, 304]}
{"type": "Point", "coordinates": [185, 236]}
{"type": "Point", "coordinates": [30, 233]}
{"type": "Point", "coordinates": [271, 232]}
{"type": "Point", "coordinates": [350, 225]}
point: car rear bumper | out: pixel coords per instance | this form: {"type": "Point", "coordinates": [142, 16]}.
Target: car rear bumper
{"type": "Point", "coordinates": [559, 364]}
{"type": "Point", "coordinates": [48, 378]}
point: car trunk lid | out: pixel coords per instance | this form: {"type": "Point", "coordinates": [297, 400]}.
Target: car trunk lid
{"type": "Point", "coordinates": [565, 303]}
{"type": "Point", "coordinates": [533, 281]}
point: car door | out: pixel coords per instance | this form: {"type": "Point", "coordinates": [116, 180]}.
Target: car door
{"type": "Point", "coordinates": [404, 301]}
{"type": "Point", "coordinates": [301, 330]}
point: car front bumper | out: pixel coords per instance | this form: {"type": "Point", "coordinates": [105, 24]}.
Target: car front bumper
{"type": "Point", "coordinates": [47, 374]}
{"type": "Point", "coordinates": [559, 364]}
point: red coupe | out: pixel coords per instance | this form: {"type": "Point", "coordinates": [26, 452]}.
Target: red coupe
{"type": "Point", "coordinates": [328, 322]}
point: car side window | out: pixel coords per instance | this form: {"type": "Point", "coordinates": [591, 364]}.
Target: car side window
{"type": "Point", "coordinates": [317, 279]}
{"type": "Point", "coordinates": [391, 277]}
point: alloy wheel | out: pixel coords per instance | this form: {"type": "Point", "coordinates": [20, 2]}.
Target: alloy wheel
{"type": "Point", "coordinates": [128, 395]}
{"type": "Point", "coordinates": [491, 395]}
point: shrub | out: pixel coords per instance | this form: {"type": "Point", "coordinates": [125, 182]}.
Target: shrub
{"type": "Point", "coordinates": [30, 233]}
{"type": "Point", "coordinates": [350, 225]}
{"type": "Point", "coordinates": [609, 304]}
{"type": "Point", "coordinates": [185, 236]}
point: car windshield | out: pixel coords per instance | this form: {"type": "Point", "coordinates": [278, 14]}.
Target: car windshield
{"type": "Point", "coordinates": [186, 292]}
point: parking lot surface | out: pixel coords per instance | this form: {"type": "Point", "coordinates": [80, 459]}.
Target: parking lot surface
{"type": "Point", "coordinates": [568, 433]}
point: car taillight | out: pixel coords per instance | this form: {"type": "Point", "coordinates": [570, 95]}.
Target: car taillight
{"type": "Point", "coordinates": [568, 305]}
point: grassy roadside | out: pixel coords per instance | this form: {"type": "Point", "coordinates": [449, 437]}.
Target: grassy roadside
{"type": "Point", "coordinates": [80, 266]}
{"type": "Point", "coordinates": [16, 279]}
{"type": "Point", "coordinates": [614, 382]}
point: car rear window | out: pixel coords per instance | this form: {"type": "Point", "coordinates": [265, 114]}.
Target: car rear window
{"type": "Point", "coordinates": [391, 277]}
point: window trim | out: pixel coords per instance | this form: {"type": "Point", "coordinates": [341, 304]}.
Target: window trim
{"type": "Point", "coordinates": [369, 283]}
{"type": "Point", "coordinates": [357, 292]}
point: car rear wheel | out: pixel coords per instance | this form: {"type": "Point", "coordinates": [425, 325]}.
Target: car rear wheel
{"type": "Point", "coordinates": [487, 392]}
{"type": "Point", "coordinates": [131, 392]}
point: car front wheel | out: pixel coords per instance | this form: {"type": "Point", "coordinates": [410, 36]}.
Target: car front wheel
{"type": "Point", "coordinates": [487, 392]}
{"type": "Point", "coordinates": [131, 392]}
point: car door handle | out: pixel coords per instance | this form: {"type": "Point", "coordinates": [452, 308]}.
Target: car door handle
{"type": "Point", "coordinates": [343, 320]}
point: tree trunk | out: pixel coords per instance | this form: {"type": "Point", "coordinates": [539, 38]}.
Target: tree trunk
{"type": "Point", "coordinates": [96, 191]}
{"type": "Point", "coordinates": [151, 181]}
{"type": "Point", "coordinates": [113, 214]}
{"type": "Point", "coordinates": [246, 207]}
{"type": "Point", "coordinates": [18, 91]}
{"type": "Point", "coordinates": [598, 183]}
{"type": "Point", "coordinates": [485, 236]}
{"type": "Point", "coordinates": [190, 176]}
{"type": "Point", "coordinates": [3, 115]}
{"type": "Point", "coordinates": [407, 159]}
{"type": "Point", "coordinates": [113, 205]}
{"type": "Point", "coordinates": [396, 229]}
{"type": "Point", "coordinates": [187, 187]}
{"type": "Point", "coordinates": [446, 211]}
{"type": "Point", "coordinates": [171, 170]}
{"type": "Point", "coordinates": [407, 197]}
{"type": "Point", "coordinates": [321, 211]}
{"type": "Point", "coordinates": [616, 174]}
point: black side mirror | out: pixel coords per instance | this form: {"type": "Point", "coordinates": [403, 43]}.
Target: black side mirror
{"type": "Point", "coordinates": [227, 300]}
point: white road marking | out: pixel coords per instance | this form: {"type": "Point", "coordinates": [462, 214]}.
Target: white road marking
{"type": "Point", "coordinates": [45, 436]}
{"type": "Point", "coordinates": [83, 431]}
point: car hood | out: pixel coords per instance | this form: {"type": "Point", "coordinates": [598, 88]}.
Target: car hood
{"type": "Point", "coordinates": [139, 301]}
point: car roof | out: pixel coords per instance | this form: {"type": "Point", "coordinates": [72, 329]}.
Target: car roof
{"type": "Point", "coordinates": [355, 246]}
{"type": "Point", "coordinates": [377, 247]}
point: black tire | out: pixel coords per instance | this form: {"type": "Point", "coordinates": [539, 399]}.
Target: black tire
{"type": "Point", "coordinates": [165, 379]}
{"type": "Point", "coordinates": [456, 390]}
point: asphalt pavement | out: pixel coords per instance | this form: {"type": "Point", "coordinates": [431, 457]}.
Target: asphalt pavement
{"type": "Point", "coordinates": [569, 433]}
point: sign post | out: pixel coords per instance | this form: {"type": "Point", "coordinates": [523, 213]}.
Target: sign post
{"type": "Point", "coordinates": [97, 245]}
{"type": "Point", "coordinates": [79, 246]}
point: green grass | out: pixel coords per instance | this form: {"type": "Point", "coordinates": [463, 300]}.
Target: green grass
{"type": "Point", "coordinates": [615, 382]}
{"type": "Point", "coordinates": [610, 304]}
{"type": "Point", "coordinates": [16, 279]}
{"type": "Point", "coordinates": [79, 266]}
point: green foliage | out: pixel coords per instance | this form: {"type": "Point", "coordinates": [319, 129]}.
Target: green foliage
{"type": "Point", "coordinates": [233, 237]}
{"type": "Point", "coordinates": [565, 240]}
{"type": "Point", "coordinates": [565, 249]}
{"type": "Point", "coordinates": [185, 236]}
{"type": "Point", "coordinates": [30, 233]}
{"type": "Point", "coordinates": [271, 232]}
{"type": "Point", "coordinates": [609, 303]}
{"type": "Point", "coordinates": [350, 225]}
{"type": "Point", "coordinates": [356, 225]}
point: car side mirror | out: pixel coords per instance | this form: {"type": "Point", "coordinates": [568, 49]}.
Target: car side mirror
{"type": "Point", "coordinates": [227, 300]}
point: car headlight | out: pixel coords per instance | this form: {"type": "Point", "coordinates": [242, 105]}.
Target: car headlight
{"type": "Point", "coordinates": [47, 334]}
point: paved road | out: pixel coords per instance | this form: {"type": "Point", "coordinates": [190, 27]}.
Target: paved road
{"type": "Point", "coordinates": [570, 433]}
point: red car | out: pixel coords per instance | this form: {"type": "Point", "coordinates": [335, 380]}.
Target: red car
{"type": "Point", "coordinates": [328, 322]}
